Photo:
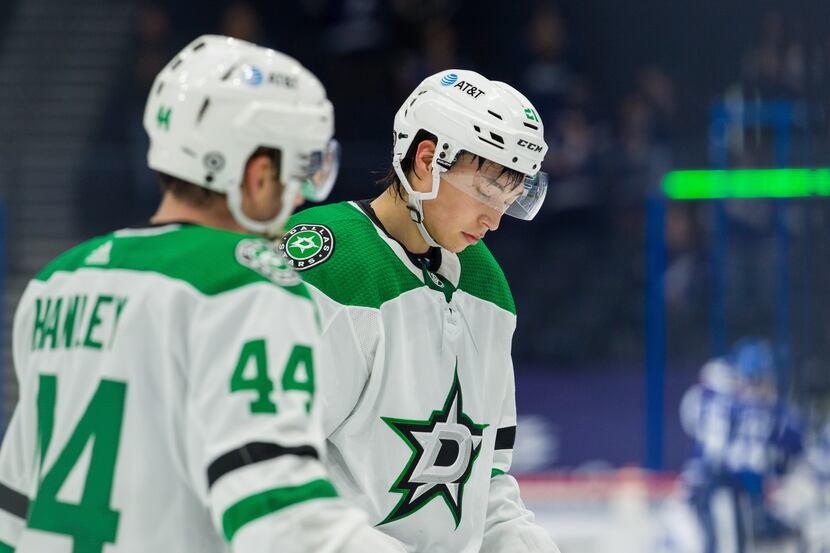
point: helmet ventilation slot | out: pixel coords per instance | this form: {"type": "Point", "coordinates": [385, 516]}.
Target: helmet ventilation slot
{"type": "Point", "coordinates": [202, 110]}
{"type": "Point", "coordinates": [499, 146]}
{"type": "Point", "coordinates": [228, 73]}
{"type": "Point", "coordinates": [496, 141]}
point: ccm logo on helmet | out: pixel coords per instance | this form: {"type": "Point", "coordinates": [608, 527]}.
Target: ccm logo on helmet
{"type": "Point", "coordinates": [464, 86]}
{"type": "Point", "coordinates": [530, 145]}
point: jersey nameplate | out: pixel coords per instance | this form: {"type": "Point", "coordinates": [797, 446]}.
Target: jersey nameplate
{"type": "Point", "coordinates": [68, 322]}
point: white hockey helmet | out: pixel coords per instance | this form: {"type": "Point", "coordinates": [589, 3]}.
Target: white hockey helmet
{"type": "Point", "coordinates": [469, 113]}
{"type": "Point", "coordinates": [719, 375]}
{"type": "Point", "coordinates": [220, 99]}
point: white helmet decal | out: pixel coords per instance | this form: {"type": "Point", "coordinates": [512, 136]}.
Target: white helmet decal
{"type": "Point", "coordinates": [469, 113]}
{"type": "Point", "coordinates": [219, 100]}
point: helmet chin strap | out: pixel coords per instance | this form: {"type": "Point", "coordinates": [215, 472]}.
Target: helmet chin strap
{"type": "Point", "coordinates": [416, 211]}
{"type": "Point", "coordinates": [415, 199]}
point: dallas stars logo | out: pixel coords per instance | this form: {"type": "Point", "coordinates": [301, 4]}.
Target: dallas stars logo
{"type": "Point", "coordinates": [263, 257]}
{"type": "Point", "coordinates": [302, 243]}
{"type": "Point", "coordinates": [444, 449]}
{"type": "Point", "coordinates": [307, 245]}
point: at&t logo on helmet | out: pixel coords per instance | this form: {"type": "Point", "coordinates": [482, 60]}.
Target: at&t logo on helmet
{"type": "Point", "coordinates": [252, 75]}
{"type": "Point", "coordinates": [449, 79]}
{"type": "Point", "coordinates": [473, 91]}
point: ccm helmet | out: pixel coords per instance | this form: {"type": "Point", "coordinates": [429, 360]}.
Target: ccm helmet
{"type": "Point", "coordinates": [490, 119]}
{"type": "Point", "coordinates": [220, 99]}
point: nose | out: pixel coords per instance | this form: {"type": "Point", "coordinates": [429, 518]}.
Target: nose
{"type": "Point", "coordinates": [491, 219]}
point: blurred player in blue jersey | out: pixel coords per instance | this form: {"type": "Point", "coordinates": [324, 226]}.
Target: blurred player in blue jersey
{"type": "Point", "coordinates": [764, 439]}
{"type": "Point", "coordinates": [705, 412]}
{"type": "Point", "coordinates": [744, 434]}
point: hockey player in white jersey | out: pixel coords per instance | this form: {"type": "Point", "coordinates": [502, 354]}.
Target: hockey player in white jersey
{"type": "Point", "coordinates": [168, 395]}
{"type": "Point", "coordinates": [421, 415]}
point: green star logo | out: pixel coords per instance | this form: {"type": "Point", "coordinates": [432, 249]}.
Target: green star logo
{"type": "Point", "coordinates": [307, 245]}
{"type": "Point", "coordinates": [444, 449]}
{"type": "Point", "coordinates": [530, 113]}
{"type": "Point", "coordinates": [304, 245]}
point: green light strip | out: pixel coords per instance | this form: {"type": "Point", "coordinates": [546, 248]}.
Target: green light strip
{"type": "Point", "coordinates": [747, 183]}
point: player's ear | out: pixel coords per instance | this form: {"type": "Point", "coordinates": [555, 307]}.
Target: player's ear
{"type": "Point", "coordinates": [256, 173]}
{"type": "Point", "coordinates": [422, 166]}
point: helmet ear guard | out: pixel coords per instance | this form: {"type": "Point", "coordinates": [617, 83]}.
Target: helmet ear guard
{"type": "Point", "coordinates": [445, 155]}
{"type": "Point", "coordinates": [414, 198]}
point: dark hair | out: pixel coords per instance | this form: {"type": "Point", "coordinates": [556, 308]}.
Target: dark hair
{"type": "Point", "coordinates": [199, 196]}
{"type": "Point", "coordinates": [390, 179]}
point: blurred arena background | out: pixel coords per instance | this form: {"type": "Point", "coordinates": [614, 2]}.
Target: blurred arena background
{"type": "Point", "coordinates": [623, 293]}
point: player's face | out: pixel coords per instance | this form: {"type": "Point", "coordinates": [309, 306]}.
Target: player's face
{"type": "Point", "coordinates": [470, 203]}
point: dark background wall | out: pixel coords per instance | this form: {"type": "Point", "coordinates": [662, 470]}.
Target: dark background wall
{"type": "Point", "coordinates": [624, 89]}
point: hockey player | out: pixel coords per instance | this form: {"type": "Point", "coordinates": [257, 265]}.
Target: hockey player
{"type": "Point", "coordinates": [421, 415]}
{"type": "Point", "coordinates": [167, 373]}
{"type": "Point", "coordinates": [706, 412]}
{"type": "Point", "coordinates": [743, 436]}
{"type": "Point", "coordinates": [764, 439]}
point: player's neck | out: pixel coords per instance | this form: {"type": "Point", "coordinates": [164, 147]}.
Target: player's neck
{"type": "Point", "coordinates": [174, 210]}
{"type": "Point", "coordinates": [393, 214]}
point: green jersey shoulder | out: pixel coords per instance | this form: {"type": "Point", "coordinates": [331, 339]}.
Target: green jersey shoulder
{"type": "Point", "coordinates": [482, 277]}
{"type": "Point", "coordinates": [341, 252]}
{"type": "Point", "coordinates": [210, 260]}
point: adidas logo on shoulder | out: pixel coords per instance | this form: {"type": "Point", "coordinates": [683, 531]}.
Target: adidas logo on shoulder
{"type": "Point", "coordinates": [100, 255]}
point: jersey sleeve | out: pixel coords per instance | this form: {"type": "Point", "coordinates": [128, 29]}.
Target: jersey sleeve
{"type": "Point", "coordinates": [17, 455]}
{"type": "Point", "coordinates": [509, 525]}
{"type": "Point", "coordinates": [254, 438]}
{"type": "Point", "coordinates": [347, 348]}
{"type": "Point", "coordinates": [16, 462]}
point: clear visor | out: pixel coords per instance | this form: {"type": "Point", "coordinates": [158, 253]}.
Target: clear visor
{"type": "Point", "coordinates": [512, 194]}
{"type": "Point", "coordinates": [321, 172]}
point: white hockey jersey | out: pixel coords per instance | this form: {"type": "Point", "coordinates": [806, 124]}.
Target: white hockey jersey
{"type": "Point", "coordinates": [167, 403]}
{"type": "Point", "coordinates": [419, 404]}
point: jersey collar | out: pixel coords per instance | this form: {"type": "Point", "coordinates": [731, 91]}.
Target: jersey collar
{"type": "Point", "coordinates": [438, 260]}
